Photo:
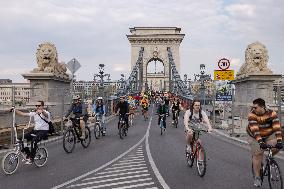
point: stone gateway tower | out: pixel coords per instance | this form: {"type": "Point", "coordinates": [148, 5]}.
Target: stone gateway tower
{"type": "Point", "coordinates": [155, 40]}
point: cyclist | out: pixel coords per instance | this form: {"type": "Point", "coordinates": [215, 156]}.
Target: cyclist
{"type": "Point", "coordinates": [40, 131]}
{"type": "Point", "coordinates": [100, 110]}
{"type": "Point", "coordinates": [195, 115]}
{"type": "Point", "coordinates": [161, 111]}
{"type": "Point", "coordinates": [123, 108]}
{"type": "Point", "coordinates": [79, 109]}
{"type": "Point", "coordinates": [167, 103]}
{"type": "Point", "coordinates": [176, 106]}
{"type": "Point", "coordinates": [132, 107]}
{"type": "Point", "coordinates": [264, 129]}
{"type": "Point", "coordinates": [145, 105]}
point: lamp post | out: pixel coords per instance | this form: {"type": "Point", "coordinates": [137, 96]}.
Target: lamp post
{"type": "Point", "coordinates": [202, 78]}
{"type": "Point", "coordinates": [101, 77]}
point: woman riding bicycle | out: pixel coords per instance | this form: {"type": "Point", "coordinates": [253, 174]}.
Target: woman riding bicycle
{"type": "Point", "coordinates": [99, 109]}
{"type": "Point", "coordinates": [195, 115]}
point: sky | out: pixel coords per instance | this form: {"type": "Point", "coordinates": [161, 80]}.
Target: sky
{"type": "Point", "coordinates": [94, 32]}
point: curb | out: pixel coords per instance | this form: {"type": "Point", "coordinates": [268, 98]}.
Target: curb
{"type": "Point", "coordinates": [229, 137]}
{"type": "Point", "coordinates": [53, 139]}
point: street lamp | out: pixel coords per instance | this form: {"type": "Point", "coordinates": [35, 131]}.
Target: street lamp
{"type": "Point", "coordinates": [202, 78]}
{"type": "Point", "coordinates": [101, 77]}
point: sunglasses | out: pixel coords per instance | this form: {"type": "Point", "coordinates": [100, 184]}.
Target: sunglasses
{"type": "Point", "coordinates": [37, 105]}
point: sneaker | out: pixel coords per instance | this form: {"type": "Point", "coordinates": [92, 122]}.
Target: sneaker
{"type": "Point", "coordinates": [28, 162]}
{"type": "Point", "coordinates": [83, 137]}
{"type": "Point", "coordinates": [257, 182]}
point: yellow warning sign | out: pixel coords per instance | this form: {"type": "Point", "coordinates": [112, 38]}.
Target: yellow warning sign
{"type": "Point", "coordinates": [224, 75]}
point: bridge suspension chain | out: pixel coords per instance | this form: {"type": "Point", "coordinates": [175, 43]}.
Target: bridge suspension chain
{"type": "Point", "coordinates": [178, 87]}
{"type": "Point", "coordinates": [134, 82]}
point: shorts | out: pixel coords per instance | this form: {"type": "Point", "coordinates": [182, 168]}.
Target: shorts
{"type": "Point", "coordinates": [254, 145]}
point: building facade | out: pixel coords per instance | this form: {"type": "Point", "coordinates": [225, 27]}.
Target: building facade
{"type": "Point", "coordinates": [20, 92]}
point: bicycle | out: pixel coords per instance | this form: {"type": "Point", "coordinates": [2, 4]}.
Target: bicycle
{"type": "Point", "coordinates": [72, 135]}
{"type": "Point", "coordinates": [269, 168]}
{"type": "Point", "coordinates": [197, 151]}
{"type": "Point", "coordinates": [98, 130]}
{"type": "Point", "coordinates": [10, 161]}
{"type": "Point", "coordinates": [122, 127]}
{"type": "Point", "coordinates": [175, 121]}
{"type": "Point", "coordinates": [162, 127]}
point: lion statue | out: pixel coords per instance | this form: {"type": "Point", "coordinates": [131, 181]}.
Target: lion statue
{"type": "Point", "coordinates": [47, 60]}
{"type": "Point", "coordinates": [256, 59]}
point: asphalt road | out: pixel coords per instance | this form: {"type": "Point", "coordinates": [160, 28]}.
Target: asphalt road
{"type": "Point", "coordinates": [144, 159]}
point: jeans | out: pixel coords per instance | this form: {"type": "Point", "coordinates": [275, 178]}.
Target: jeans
{"type": "Point", "coordinates": [102, 118]}
{"type": "Point", "coordinates": [164, 121]}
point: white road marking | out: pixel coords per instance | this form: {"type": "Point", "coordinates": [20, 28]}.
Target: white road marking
{"type": "Point", "coordinates": [118, 183]}
{"type": "Point", "coordinates": [128, 163]}
{"type": "Point", "coordinates": [126, 166]}
{"type": "Point", "coordinates": [114, 175]}
{"type": "Point", "coordinates": [107, 180]}
{"type": "Point", "coordinates": [130, 169]}
{"type": "Point", "coordinates": [152, 163]}
{"type": "Point", "coordinates": [135, 186]}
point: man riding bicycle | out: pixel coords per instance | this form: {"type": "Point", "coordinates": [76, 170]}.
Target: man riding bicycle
{"type": "Point", "coordinates": [40, 131]}
{"type": "Point", "coordinates": [79, 109]}
{"type": "Point", "coordinates": [145, 105]}
{"type": "Point", "coordinates": [196, 116]}
{"type": "Point", "coordinates": [176, 107]}
{"type": "Point", "coordinates": [123, 108]}
{"type": "Point", "coordinates": [99, 109]}
{"type": "Point", "coordinates": [264, 129]}
{"type": "Point", "coordinates": [161, 111]}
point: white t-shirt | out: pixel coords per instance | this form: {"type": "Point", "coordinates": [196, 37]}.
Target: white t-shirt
{"type": "Point", "coordinates": [195, 116]}
{"type": "Point", "coordinates": [40, 124]}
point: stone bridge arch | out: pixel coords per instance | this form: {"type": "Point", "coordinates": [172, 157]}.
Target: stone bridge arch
{"type": "Point", "coordinates": [155, 41]}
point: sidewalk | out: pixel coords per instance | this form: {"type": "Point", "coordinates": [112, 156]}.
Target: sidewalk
{"type": "Point", "coordinates": [56, 137]}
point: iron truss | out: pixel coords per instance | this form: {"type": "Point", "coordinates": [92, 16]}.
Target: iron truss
{"type": "Point", "coordinates": [177, 86]}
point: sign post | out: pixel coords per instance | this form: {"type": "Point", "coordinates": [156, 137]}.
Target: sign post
{"type": "Point", "coordinates": [73, 65]}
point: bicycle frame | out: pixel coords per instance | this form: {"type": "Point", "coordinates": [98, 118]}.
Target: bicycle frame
{"type": "Point", "coordinates": [19, 144]}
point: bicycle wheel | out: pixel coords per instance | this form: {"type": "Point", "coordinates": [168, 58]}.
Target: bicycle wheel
{"type": "Point", "coordinates": [120, 131]}
{"type": "Point", "coordinates": [274, 175]}
{"type": "Point", "coordinates": [97, 131]}
{"type": "Point", "coordinates": [10, 163]}
{"type": "Point", "coordinates": [201, 161]}
{"type": "Point", "coordinates": [69, 140]}
{"type": "Point", "coordinates": [86, 142]}
{"type": "Point", "coordinates": [125, 130]}
{"type": "Point", "coordinates": [162, 128]}
{"type": "Point", "coordinates": [41, 157]}
{"type": "Point", "coordinates": [189, 157]}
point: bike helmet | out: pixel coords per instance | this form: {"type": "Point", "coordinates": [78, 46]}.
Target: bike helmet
{"type": "Point", "coordinates": [76, 97]}
{"type": "Point", "coordinates": [100, 98]}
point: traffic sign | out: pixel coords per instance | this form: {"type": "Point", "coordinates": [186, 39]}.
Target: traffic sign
{"type": "Point", "coordinates": [223, 97]}
{"type": "Point", "coordinates": [224, 75]}
{"type": "Point", "coordinates": [73, 65]}
{"type": "Point", "coordinates": [224, 64]}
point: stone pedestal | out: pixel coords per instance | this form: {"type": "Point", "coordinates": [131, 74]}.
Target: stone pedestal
{"type": "Point", "coordinates": [250, 87]}
{"type": "Point", "coordinates": [53, 90]}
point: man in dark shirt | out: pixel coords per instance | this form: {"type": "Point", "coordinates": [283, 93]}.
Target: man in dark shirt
{"type": "Point", "coordinates": [79, 109]}
{"type": "Point", "coordinates": [123, 108]}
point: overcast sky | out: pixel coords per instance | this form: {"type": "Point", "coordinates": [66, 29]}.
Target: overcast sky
{"type": "Point", "coordinates": [94, 32]}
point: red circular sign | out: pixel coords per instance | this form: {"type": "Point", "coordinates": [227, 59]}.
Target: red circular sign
{"type": "Point", "coordinates": [224, 64]}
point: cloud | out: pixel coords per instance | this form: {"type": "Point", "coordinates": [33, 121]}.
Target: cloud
{"type": "Point", "coordinates": [95, 31]}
